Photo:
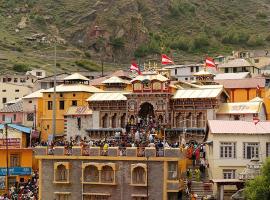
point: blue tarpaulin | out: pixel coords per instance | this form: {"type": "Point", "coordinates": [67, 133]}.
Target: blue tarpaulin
{"type": "Point", "coordinates": [16, 171]}
{"type": "Point", "coordinates": [18, 127]}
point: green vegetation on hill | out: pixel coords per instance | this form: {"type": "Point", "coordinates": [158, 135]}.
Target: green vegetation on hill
{"type": "Point", "coordinates": [186, 29]}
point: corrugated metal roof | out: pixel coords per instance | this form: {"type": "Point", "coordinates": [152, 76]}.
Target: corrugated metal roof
{"type": "Point", "coordinates": [16, 107]}
{"type": "Point", "coordinates": [197, 93]}
{"type": "Point", "coordinates": [76, 76]}
{"type": "Point", "coordinates": [239, 62]}
{"type": "Point", "coordinates": [74, 88]}
{"type": "Point", "coordinates": [36, 94]}
{"type": "Point", "coordinates": [243, 83]}
{"type": "Point", "coordinates": [107, 96]}
{"type": "Point", "coordinates": [227, 76]}
{"type": "Point", "coordinates": [115, 79]}
{"type": "Point", "coordinates": [79, 110]}
{"type": "Point", "coordinates": [240, 108]}
{"type": "Point", "coordinates": [150, 77]}
{"type": "Point", "coordinates": [18, 127]}
{"type": "Point", "coordinates": [238, 127]}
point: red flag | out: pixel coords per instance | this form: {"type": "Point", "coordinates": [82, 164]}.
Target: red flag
{"type": "Point", "coordinates": [135, 67]}
{"type": "Point", "coordinates": [165, 60]}
{"type": "Point", "coordinates": [209, 62]}
{"type": "Point", "coordinates": [256, 120]}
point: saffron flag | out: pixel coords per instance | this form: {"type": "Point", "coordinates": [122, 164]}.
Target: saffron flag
{"type": "Point", "coordinates": [135, 67]}
{"type": "Point", "coordinates": [209, 62]}
{"type": "Point", "coordinates": [165, 60]}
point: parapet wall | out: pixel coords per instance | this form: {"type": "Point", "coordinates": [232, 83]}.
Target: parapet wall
{"type": "Point", "coordinates": [111, 152]}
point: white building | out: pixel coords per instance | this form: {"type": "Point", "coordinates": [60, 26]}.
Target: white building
{"type": "Point", "coordinates": [184, 72]}
{"type": "Point", "coordinates": [231, 146]}
{"type": "Point", "coordinates": [77, 120]}
{"type": "Point", "coordinates": [10, 92]}
{"type": "Point", "coordinates": [39, 73]}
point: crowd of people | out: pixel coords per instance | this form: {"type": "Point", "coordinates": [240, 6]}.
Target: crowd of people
{"type": "Point", "coordinates": [23, 190]}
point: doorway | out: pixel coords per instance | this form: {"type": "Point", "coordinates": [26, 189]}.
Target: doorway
{"type": "Point", "coordinates": [146, 110]}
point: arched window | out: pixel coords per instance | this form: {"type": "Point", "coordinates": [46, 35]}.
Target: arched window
{"type": "Point", "coordinates": [107, 174]}
{"type": "Point", "coordinates": [105, 120]}
{"type": "Point", "coordinates": [200, 120]}
{"type": "Point", "coordinates": [114, 121]}
{"type": "Point", "coordinates": [91, 174]}
{"type": "Point", "coordinates": [188, 118]}
{"type": "Point", "coordinates": [61, 173]}
{"type": "Point", "coordinates": [139, 175]}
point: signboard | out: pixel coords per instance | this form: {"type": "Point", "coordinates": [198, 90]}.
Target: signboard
{"type": "Point", "coordinates": [12, 142]}
{"type": "Point", "coordinates": [15, 171]}
{"type": "Point", "coordinates": [2, 182]}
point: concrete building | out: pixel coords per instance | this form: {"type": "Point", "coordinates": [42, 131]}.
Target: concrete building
{"type": "Point", "coordinates": [73, 92]}
{"type": "Point", "coordinates": [19, 79]}
{"type": "Point", "coordinates": [39, 73]}
{"type": "Point", "coordinates": [184, 72]}
{"type": "Point", "coordinates": [13, 113]}
{"type": "Point", "coordinates": [238, 65]}
{"type": "Point", "coordinates": [77, 120]}
{"type": "Point", "coordinates": [10, 92]}
{"type": "Point", "coordinates": [231, 146]}
{"type": "Point", "coordinates": [87, 175]}
{"type": "Point", "coordinates": [245, 111]}
{"type": "Point", "coordinates": [48, 81]}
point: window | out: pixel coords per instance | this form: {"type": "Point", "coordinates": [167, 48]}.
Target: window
{"type": "Point", "coordinates": [3, 118]}
{"type": "Point", "coordinates": [74, 95]}
{"type": "Point", "coordinates": [138, 175]}
{"type": "Point", "coordinates": [43, 85]}
{"type": "Point", "coordinates": [16, 98]}
{"type": "Point", "coordinates": [4, 100]}
{"type": "Point", "coordinates": [15, 160]}
{"type": "Point", "coordinates": [30, 117]}
{"type": "Point", "coordinates": [29, 101]}
{"type": "Point", "coordinates": [74, 103]}
{"type": "Point", "coordinates": [79, 123]}
{"type": "Point", "coordinates": [38, 74]}
{"type": "Point", "coordinates": [256, 60]}
{"type": "Point", "coordinates": [191, 69]}
{"type": "Point", "coordinates": [9, 79]}
{"type": "Point", "coordinates": [61, 105]}
{"type": "Point", "coordinates": [22, 80]}
{"type": "Point", "coordinates": [15, 80]}
{"type": "Point", "coordinates": [197, 68]}
{"type": "Point", "coordinates": [172, 170]}
{"type": "Point", "coordinates": [267, 149]}
{"type": "Point", "coordinates": [4, 90]}
{"type": "Point", "coordinates": [91, 174]}
{"type": "Point", "coordinates": [107, 174]}
{"type": "Point", "coordinates": [95, 197]}
{"type": "Point", "coordinates": [62, 196]}
{"type": "Point", "coordinates": [186, 79]}
{"type": "Point", "coordinates": [234, 70]}
{"type": "Point", "coordinates": [49, 96]}
{"type": "Point", "coordinates": [14, 117]}
{"type": "Point", "coordinates": [50, 105]}
{"type": "Point", "coordinates": [61, 173]}
{"type": "Point", "coordinates": [226, 70]}
{"type": "Point", "coordinates": [175, 71]}
{"type": "Point", "coordinates": [61, 94]}
{"type": "Point", "coordinates": [229, 173]}
{"type": "Point", "coordinates": [4, 80]}
{"type": "Point", "coordinates": [228, 150]}
{"type": "Point", "coordinates": [236, 117]}
{"type": "Point", "coordinates": [251, 150]}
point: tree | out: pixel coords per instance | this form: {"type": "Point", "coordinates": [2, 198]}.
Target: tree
{"type": "Point", "coordinates": [259, 188]}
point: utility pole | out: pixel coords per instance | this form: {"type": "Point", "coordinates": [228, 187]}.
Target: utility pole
{"type": "Point", "coordinates": [7, 174]}
{"type": "Point", "coordinates": [54, 96]}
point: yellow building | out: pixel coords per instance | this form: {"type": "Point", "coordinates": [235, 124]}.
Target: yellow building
{"type": "Point", "coordinates": [73, 92]}
{"type": "Point", "coordinates": [243, 90]}
{"type": "Point", "coordinates": [20, 158]}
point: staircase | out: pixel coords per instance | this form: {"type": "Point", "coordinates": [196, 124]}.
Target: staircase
{"type": "Point", "coordinates": [203, 187]}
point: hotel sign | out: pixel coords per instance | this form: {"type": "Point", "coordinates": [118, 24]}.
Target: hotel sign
{"type": "Point", "coordinates": [14, 171]}
{"type": "Point", "coordinates": [12, 142]}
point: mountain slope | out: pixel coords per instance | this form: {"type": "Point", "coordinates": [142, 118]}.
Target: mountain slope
{"type": "Point", "coordinates": [185, 29]}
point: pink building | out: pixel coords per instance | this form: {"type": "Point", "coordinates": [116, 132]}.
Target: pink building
{"type": "Point", "coordinates": [12, 112]}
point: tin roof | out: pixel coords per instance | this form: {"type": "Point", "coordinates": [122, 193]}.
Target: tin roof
{"type": "Point", "coordinates": [226, 76]}
{"type": "Point", "coordinates": [17, 127]}
{"type": "Point", "coordinates": [16, 107]}
{"type": "Point", "coordinates": [150, 77]}
{"type": "Point", "coordinates": [243, 83]}
{"type": "Point", "coordinates": [239, 62]}
{"type": "Point", "coordinates": [74, 88]}
{"type": "Point", "coordinates": [36, 94]}
{"type": "Point", "coordinates": [197, 93]}
{"type": "Point", "coordinates": [76, 76]}
{"type": "Point", "coordinates": [78, 110]}
{"type": "Point", "coordinates": [115, 79]}
{"type": "Point", "coordinates": [108, 96]}
{"type": "Point", "coordinates": [238, 127]}
{"type": "Point", "coordinates": [240, 108]}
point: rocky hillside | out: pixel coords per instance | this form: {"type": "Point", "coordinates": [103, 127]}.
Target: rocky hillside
{"type": "Point", "coordinates": [87, 32]}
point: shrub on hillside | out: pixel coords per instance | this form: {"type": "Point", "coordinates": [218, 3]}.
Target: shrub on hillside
{"type": "Point", "coordinates": [255, 41]}
{"type": "Point", "coordinates": [180, 44]}
{"type": "Point", "coordinates": [200, 42]}
{"type": "Point", "coordinates": [233, 37]}
{"type": "Point", "coordinates": [21, 68]}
